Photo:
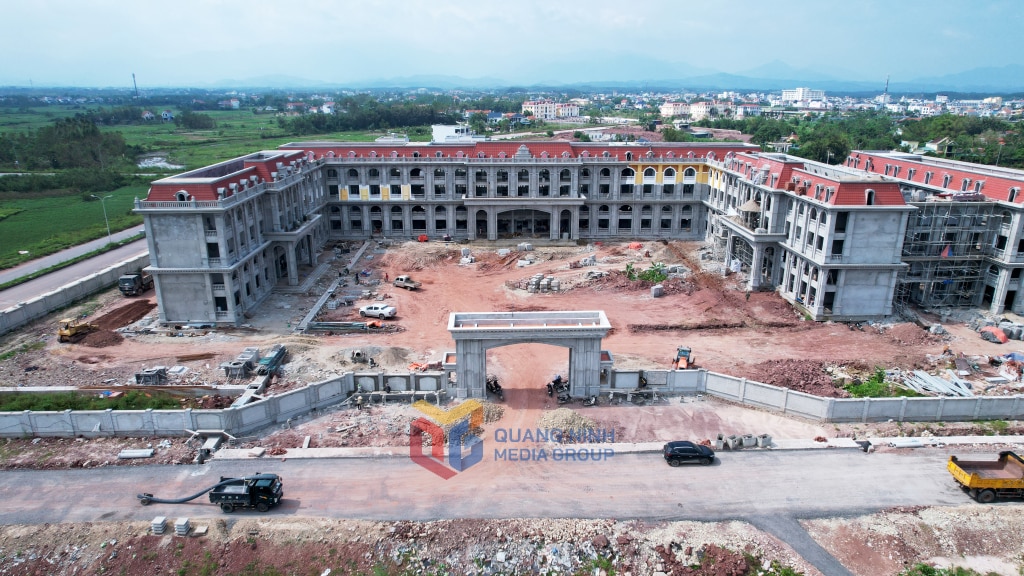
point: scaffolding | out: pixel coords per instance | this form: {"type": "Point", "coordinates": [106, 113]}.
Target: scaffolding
{"type": "Point", "coordinates": [945, 247]}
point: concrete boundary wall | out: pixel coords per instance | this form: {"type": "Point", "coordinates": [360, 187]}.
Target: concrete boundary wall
{"type": "Point", "coordinates": [434, 386]}
{"type": "Point", "coordinates": [25, 312]}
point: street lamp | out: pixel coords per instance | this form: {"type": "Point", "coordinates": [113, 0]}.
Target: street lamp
{"type": "Point", "coordinates": [104, 206]}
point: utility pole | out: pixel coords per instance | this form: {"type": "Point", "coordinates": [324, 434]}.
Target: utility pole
{"type": "Point", "coordinates": [107, 222]}
{"type": "Point", "coordinates": [136, 86]}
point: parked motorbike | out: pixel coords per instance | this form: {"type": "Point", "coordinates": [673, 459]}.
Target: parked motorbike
{"type": "Point", "coordinates": [564, 398]}
{"type": "Point", "coordinates": [592, 401]}
{"type": "Point", "coordinates": [493, 387]}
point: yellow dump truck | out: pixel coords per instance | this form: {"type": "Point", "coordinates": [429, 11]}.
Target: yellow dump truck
{"type": "Point", "coordinates": [986, 480]}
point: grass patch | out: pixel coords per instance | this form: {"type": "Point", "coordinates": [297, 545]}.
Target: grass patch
{"type": "Point", "coordinates": [5, 212]}
{"type": "Point", "coordinates": [60, 401]}
{"type": "Point", "coordinates": [42, 225]}
{"type": "Point", "coordinates": [69, 262]}
{"type": "Point", "coordinates": [21, 349]}
{"type": "Point", "coordinates": [877, 387]}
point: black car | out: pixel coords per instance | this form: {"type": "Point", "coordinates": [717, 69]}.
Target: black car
{"type": "Point", "coordinates": [685, 451]}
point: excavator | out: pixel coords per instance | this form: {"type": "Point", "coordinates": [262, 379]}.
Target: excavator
{"type": "Point", "coordinates": [684, 359]}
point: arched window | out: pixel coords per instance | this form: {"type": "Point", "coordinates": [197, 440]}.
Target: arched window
{"type": "Point", "coordinates": [670, 154]}
{"type": "Point", "coordinates": [1013, 194]}
{"type": "Point", "coordinates": [585, 173]}
{"type": "Point", "coordinates": [438, 172]}
{"type": "Point", "coordinates": [650, 154]}
{"type": "Point", "coordinates": [523, 175]}
{"type": "Point", "coordinates": [626, 209]}
{"type": "Point", "coordinates": [686, 210]}
{"type": "Point", "coordinates": [332, 173]}
{"type": "Point", "coordinates": [415, 154]}
{"type": "Point", "coordinates": [689, 173]}
{"type": "Point", "coordinates": [605, 154]}
{"type": "Point", "coordinates": [396, 210]}
{"type": "Point", "coordinates": [670, 172]}
{"type": "Point", "coordinates": [628, 173]}
{"type": "Point", "coordinates": [869, 198]}
{"type": "Point", "coordinates": [395, 173]}
{"type": "Point", "coordinates": [182, 196]}
{"type": "Point", "coordinates": [353, 173]}
{"type": "Point", "coordinates": [606, 173]}
{"type": "Point", "coordinates": [416, 173]}
{"type": "Point", "coordinates": [629, 156]}
{"type": "Point", "coordinates": [649, 172]}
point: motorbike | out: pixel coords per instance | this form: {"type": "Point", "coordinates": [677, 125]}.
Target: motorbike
{"type": "Point", "coordinates": [564, 398]}
{"type": "Point", "coordinates": [493, 387]}
{"type": "Point", "coordinates": [592, 401]}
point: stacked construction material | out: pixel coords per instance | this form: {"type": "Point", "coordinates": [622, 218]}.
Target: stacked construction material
{"type": "Point", "coordinates": [182, 527]}
{"type": "Point", "coordinates": [159, 525]}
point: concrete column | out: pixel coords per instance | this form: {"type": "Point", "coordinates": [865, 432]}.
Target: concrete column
{"type": "Point", "coordinates": [574, 232]}
{"type": "Point", "coordinates": [585, 367]}
{"type": "Point", "coordinates": [492, 223]}
{"type": "Point", "coordinates": [756, 267]}
{"type": "Point", "coordinates": [293, 267]}
{"type": "Point", "coordinates": [999, 295]}
{"type": "Point", "coordinates": [728, 254]}
{"type": "Point", "coordinates": [471, 369]}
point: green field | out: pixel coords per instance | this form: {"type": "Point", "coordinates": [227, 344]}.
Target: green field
{"type": "Point", "coordinates": [44, 224]}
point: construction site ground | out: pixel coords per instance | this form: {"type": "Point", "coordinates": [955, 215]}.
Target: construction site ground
{"type": "Point", "coordinates": [754, 335]}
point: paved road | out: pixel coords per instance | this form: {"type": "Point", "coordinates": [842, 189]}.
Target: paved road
{"type": "Point", "coordinates": [770, 489]}
{"type": "Point", "coordinates": [53, 280]}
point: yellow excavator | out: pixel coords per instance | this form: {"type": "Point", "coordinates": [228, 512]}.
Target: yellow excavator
{"type": "Point", "coordinates": [72, 330]}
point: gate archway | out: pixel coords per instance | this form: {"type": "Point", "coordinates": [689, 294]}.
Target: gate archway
{"type": "Point", "coordinates": [477, 332]}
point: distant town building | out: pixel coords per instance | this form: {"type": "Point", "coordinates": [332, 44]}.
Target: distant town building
{"type": "Point", "coordinates": [550, 110]}
{"type": "Point", "coordinates": [798, 95]}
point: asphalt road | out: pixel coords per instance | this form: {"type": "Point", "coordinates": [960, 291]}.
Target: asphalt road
{"type": "Point", "coordinates": [54, 280]}
{"type": "Point", "coordinates": [770, 489]}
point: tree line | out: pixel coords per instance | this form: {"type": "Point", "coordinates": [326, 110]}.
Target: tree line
{"type": "Point", "coordinates": [830, 137]}
{"type": "Point", "coordinates": [74, 142]}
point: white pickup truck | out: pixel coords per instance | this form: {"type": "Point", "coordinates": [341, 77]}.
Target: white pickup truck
{"type": "Point", "coordinates": [405, 281]}
{"type": "Point", "coordinates": [381, 311]}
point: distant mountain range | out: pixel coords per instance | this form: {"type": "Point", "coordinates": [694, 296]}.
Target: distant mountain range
{"type": "Point", "coordinates": [654, 75]}
{"type": "Point", "coordinates": [632, 73]}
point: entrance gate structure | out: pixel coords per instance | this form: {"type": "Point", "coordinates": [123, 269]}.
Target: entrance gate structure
{"type": "Point", "coordinates": [477, 332]}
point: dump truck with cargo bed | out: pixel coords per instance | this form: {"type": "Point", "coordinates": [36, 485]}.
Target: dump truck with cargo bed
{"type": "Point", "coordinates": [135, 284]}
{"type": "Point", "coordinates": [986, 480]}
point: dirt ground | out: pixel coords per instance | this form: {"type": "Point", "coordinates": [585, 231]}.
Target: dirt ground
{"type": "Point", "coordinates": [755, 335]}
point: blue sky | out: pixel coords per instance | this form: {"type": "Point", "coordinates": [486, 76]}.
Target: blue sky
{"type": "Point", "coordinates": [202, 42]}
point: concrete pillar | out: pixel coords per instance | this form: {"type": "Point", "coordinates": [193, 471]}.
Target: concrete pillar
{"type": "Point", "coordinates": [492, 223]}
{"type": "Point", "coordinates": [585, 367]}
{"type": "Point", "coordinates": [293, 266]}
{"type": "Point", "coordinates": [999, 294]}
{"type": "Point", "coordinates": [471, 369]}
{"type": "Point", "coordinates": [756, 267]}
{"type": "Point", "coordinates": [728, 254]}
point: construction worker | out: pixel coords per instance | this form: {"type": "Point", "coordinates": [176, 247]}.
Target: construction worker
{"type": "Point", "coordinates": [359, 402]}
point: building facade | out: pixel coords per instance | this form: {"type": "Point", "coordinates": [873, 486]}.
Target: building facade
{"type": "Point", "coordinates": [850, 242]}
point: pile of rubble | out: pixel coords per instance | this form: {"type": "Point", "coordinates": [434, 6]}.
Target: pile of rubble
{"type": "Point", "coordinates": [565, 420]}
